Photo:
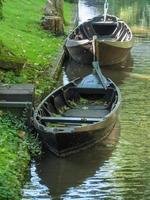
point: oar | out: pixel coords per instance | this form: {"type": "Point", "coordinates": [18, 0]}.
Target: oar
{"type": "Point", "coordinates": [102, 79]}
{"type": "Point", "coordinates": [96, 66]}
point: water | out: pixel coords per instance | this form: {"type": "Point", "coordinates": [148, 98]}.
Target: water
{"type": "Point", "coordinates": [120, 168]}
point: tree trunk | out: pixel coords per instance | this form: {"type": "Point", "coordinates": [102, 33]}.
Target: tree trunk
{"type": "Point", "coordinates": [60, 8]}
{"type": "Point", "coordinates": [53, 19]}
{"type": "Point", "coordinates": [53, 24]}
{"type": "Point", "coordinates": [50, 8]}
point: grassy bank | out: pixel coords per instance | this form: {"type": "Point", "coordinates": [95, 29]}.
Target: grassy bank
{"type": "Point", "coordinates": [22, 40]}
{"type": "Point", "coordinates": [23, 35]}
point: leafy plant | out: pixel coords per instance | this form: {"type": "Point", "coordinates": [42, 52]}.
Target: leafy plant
{"type": "Point", "coordinates": [15, 145]}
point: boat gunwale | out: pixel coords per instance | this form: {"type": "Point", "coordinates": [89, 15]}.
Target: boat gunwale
{"type": "Point", "coordinates": [118, 44]}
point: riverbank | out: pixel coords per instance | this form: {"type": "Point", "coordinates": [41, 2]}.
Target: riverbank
{"type": "Point", "coordinates": [32, 54]}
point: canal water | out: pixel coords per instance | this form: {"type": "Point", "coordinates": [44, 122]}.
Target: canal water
{"type": "Point", "coordinates": [120, 167]}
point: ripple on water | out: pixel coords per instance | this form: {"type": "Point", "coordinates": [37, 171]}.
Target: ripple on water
{"type": "Point", "coordinates": [33, 189]}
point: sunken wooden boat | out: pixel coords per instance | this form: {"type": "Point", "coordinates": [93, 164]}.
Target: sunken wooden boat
{"type": "Point", "coordinates": [73, 118]}
{"type": "Point", "coordinates": [113, 40]}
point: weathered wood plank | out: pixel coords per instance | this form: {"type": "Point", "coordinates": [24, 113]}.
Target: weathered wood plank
{"type": "Point", "coordinates": [18, 99]}
{"type": "Point", "coordinates": [17, 93]}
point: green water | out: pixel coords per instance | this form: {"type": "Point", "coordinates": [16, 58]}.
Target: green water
{"type": "Point", "coordinates": [120, 169]}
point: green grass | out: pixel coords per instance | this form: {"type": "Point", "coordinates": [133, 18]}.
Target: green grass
{"type": "Point", "coordinates": [22, 39]}
{"type": "Point", "coordinates": [69, 11]}
{"type": "Point", "coordinates": [23, 35]}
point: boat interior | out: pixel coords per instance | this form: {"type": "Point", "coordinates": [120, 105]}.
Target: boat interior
{"type": "Point", "coordinates": [108, 30]}
{"type": "Point", "coordinates": [73, 105]}
{"type": "Point", "coordinates": [102, 28]}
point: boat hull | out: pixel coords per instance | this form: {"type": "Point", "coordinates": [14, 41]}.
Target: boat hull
{"type": "Point", "coordinates": [111, 53]}
{"type": "Point", "coordinates": [65, 144]}
{"type": "Point", "coordinates": [107, 52]}
{"type": "Point", "coordinates": [81, 53]}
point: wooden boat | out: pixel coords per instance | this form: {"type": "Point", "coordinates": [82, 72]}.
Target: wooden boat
{"type": "Point", "coordinates": [73, 117]}
{"type": "Point", "coordinates": [113, 40]}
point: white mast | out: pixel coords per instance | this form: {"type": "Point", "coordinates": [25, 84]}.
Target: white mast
{"type": "Point", "coordinates": [105, 9]}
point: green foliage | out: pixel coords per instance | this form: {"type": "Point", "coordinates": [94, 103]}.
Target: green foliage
{"type": "Point", "coordinates": [13, 159]}
{"type": "Point", "coordinates": [15, 145]}
{"type": "Point", "coordinates": [134, 13]}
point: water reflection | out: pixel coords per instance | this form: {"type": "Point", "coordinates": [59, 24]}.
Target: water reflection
{"type": "Point", "coordinates": [135, 13]}
{"type": "Point", "coordinates": [90, 9]}
{"type": "Point", "coordinates": [34, 190]}
{"type": "Point", "coordinates": [58, 175]}
{"type": "Point", "coordinates": [50, 177]}
{"type": "Point", "coordinates": [141, 52]}
{"type": "Point", "coordinates": [118, 73]}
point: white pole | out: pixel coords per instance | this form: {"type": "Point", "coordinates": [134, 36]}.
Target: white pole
{"type": "Point", "coordinates": [105, 9]}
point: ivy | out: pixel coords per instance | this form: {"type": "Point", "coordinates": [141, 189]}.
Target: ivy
{"type": "Point", "coordinates": [16, 148]}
